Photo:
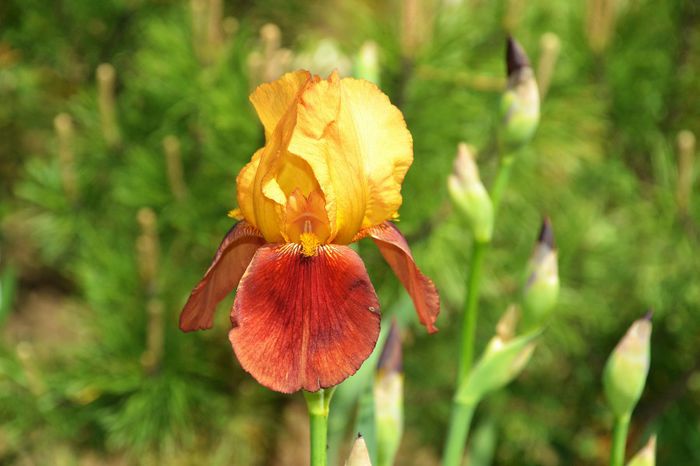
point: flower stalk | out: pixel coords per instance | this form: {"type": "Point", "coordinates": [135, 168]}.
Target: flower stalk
{"type": "Point", "coordinates": [617, 452]}
{"type": "Point", "coordinates": [520, 116]}
{"type": "Point", "coordinates": [318, 404]}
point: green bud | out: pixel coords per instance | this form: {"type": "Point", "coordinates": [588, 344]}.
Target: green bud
{"type": "Point", "coordinates": [388, 398]}
{"type": "Point", "coordinates": [502, 361]}
{"type": "Point", "coordinates": [647, 455]}
{"type": "Point", "coordinates": [627, 368]}
{"type": "Point", "coordinates": [469, 196]}
{"type": "Point", "coordinates": [359, 455]}
{"type": "Point", "coordinates": [367, 62]}
{"type": "Point", "coordinates": [520, 104]}
{"type": "Point", "coordinates": [541, 287]}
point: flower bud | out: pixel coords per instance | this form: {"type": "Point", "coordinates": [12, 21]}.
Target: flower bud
{"type": "Point", "coordinates": [647, 455]}
{"type": "Point", "coordinates": [469, 195]}
{"type": "Point", "coordinates": [520, 104]}
{"type": "Point", "coordinates": [388, 398]}
{"type": "Point", "coordinates": [367, 62]}
{"type": "Point", "coordinates": [627, 368]}
{"type": "Point", "coordinates": [542, 283]}
{"type": "Point", "coordinates": [359, 455]}
{"type": "Point", "coordinates": [502, 361]}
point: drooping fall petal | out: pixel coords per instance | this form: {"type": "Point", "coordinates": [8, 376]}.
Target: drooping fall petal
{"type": "Point", "coordinates": [397, 253]}
{"type": "Point", "coordinates": [304, 322]}
{"type": "Point", "coordinates": [230, 262]}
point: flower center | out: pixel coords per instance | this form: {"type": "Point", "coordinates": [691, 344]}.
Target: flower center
{"type": "Point", "coordinates": [306, 221]}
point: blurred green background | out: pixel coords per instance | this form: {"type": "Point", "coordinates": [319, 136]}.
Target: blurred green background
{"type": "Point", "coordinates": [111, 211]}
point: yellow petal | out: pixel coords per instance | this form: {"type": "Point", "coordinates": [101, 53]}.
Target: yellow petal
{"type": "Point", "coordinates": [340, 139]}
{"type": "Point", "coordinates": [244, 187]}
{"type": "Point", "coordinates": [274, 174]}
{"type": "Point", "coordinates": [320, 140]}
{"type": "Point", "coordinates": [384, 143]}
{"type": "Point", "coordinates": [273, 100]}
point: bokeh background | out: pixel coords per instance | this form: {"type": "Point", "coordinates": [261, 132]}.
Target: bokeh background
{"type": "Point", "coordinates": [123, 124]}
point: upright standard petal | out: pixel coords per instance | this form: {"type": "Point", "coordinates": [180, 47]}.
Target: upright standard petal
{"type": "Point", "coordinates": [273, 100]}
{"type": "Point", "coordinates": [230, 262]}
{"type": "Point", "coordinates": [376, 131]}
{"type": "Point", "coordinates": [397, 253]}
{"type": "Point", "coordinates": [304, 322]}
{"type": "Point", "coordinates": [329, 149]}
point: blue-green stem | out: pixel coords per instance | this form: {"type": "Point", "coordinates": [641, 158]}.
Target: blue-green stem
{"type": "Point", "coordinates": [617, 452]}
{"type": "Point", "coordinates": [318, 404]}
{"type": "Point", "coordinates": [461, 414]}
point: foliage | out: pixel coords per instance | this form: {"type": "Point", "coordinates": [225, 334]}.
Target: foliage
{"type": "Point", "coordinates": [602, 165]}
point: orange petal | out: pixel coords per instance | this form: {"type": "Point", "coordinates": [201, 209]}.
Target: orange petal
{"type": "Point", "coordinates": [230, 262]}
{"type": "Point", "coordinates": [304, 322]}
{"type": "Point", "coordinates": [397, 253]}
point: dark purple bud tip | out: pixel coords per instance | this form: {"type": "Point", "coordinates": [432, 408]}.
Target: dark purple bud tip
{"type": "Point", "coordinates": [359, 435]}
{"type": "Point", "coordinates": [391, 359]}
{"type": "Point", "coordinates": [649, 314]}
{"type": "Point", "coordinates": [516, 58]}
{"type": "Point", "coordinates": [546, 235]}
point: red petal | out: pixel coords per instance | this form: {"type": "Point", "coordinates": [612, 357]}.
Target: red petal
{"type": "Point", "coordinates": [397, 253]}
{"type": "Point", "coordinates": [230, 262]}
{"type": "Point", "coordinates": [304, 322]}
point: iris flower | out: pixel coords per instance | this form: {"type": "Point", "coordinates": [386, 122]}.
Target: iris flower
{"type": "Point", "coordinates": [305, 314]}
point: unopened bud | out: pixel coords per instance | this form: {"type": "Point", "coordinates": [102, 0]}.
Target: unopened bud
{"type": "Point", "coordinates": [322, 58]}
{"type": "Point", "coordinates": [388, 398]}
{"type": "Point", "coordinates": [367, 62]}
{"type": "Point", "coordinates": [502, 361]}
{"type": "Point", "coordinates": [520, 104]}
{"type": "Point", "coordinates": [647, 455]}
{"type": "Point", "coordinates": [542, 283]}
{"type": "Point", "coordinates": [359, 455]}
{"type": "Point", "coordinates": [469, 196]}
{"type": "Point", "coordinates": [626, 370]}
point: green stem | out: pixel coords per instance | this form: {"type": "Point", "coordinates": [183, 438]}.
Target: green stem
{"type": "Point", "coordinates": [617, 452]}
{"type": "Point", "coordinates": [318, 404]}
{"type": "Point", "coordinates": [460, 421]}
{"type": "Point", "coordinates": [471, 308]}
{"type": "Point", "coordinates": [501, 181]}
{"type": "Point", "coordinates": [462, 414]}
